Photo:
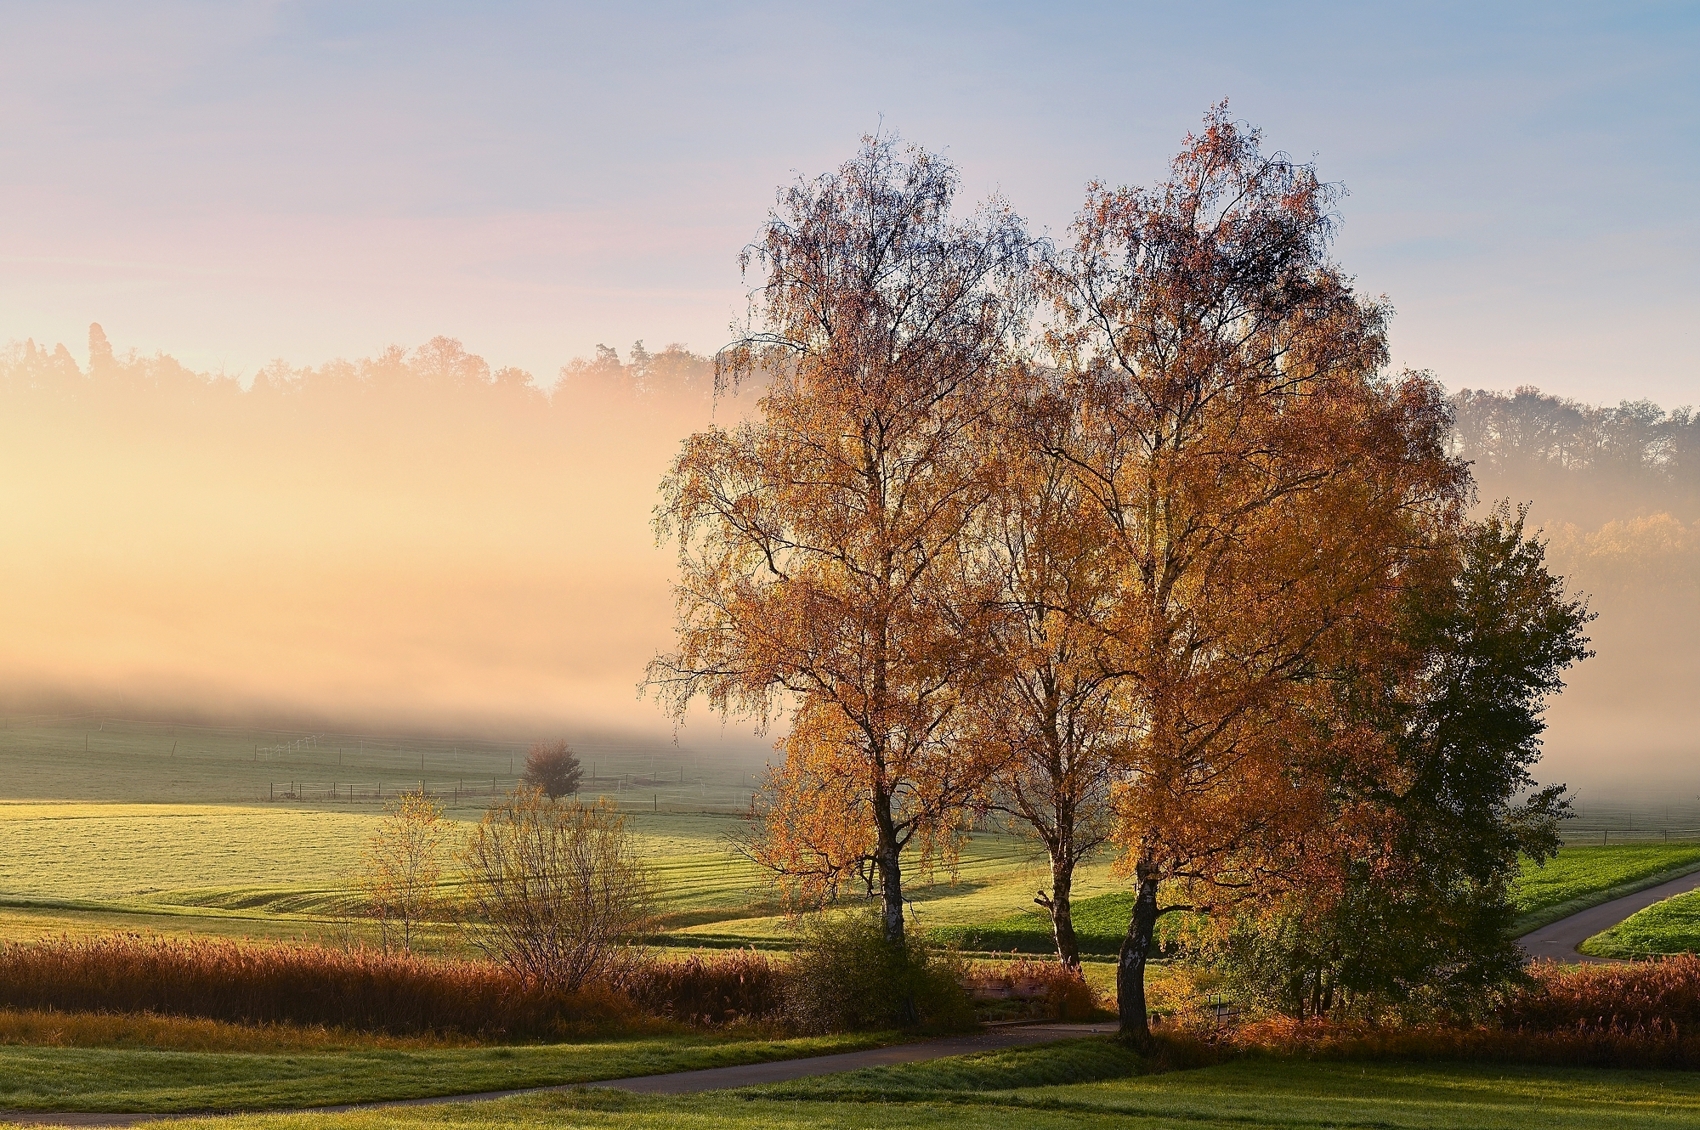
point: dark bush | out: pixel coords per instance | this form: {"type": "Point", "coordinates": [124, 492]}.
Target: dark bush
{"type": "Point", "coordinates": [846, 977]}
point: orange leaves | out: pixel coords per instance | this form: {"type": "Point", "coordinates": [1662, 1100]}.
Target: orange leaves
{"type": "Point", "coordinates": [821, 546]}
{"type": "Point", "coordinates": [1263, 486]}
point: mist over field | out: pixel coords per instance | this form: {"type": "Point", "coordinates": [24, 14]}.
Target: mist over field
{"type": "Point", "coordinates": [1616, 491]}
{"type": "Point", "coordinates": [423, 541]}
{"type": "Point", "coordinates": [415, 540]}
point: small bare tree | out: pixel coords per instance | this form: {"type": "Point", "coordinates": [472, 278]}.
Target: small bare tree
{"type": "Point", "coordinates": [402, 865]}
{"type": "Point", "coordinates": [553, 768]}
{"type": "Point", "coordinates": [555, 889]}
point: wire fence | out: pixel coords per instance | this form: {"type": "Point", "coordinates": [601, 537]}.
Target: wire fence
{"type": "Point", "coordinates": [628, 793]}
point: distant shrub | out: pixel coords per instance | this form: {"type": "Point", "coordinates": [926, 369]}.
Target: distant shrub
{"type": "Point", "coordinates": [846, 977]}
{"type": "Point", "coordinates": [553, 769]}
{"type": "Point", "coordinates": [1046, 990]}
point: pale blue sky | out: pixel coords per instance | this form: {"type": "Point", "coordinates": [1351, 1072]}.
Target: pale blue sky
{"type": "Point", "coordinates": [234, 182]}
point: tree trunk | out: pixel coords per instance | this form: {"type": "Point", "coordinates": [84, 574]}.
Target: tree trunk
{"type": "Point", "coordinates": [891, 890]}
{"type": "Point", "coordinates": [888, 864]}
{"type": "Point", "coordinates": [1062, 914]}
{"type": "Point", "coordinates": [1130, 964]}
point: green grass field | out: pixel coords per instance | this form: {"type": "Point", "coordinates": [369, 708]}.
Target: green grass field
{"type": "Point", "coordinates": [1587, 875]}
{"type": "Point", "coordinates": [1093, 1084]}
{"type": "Point", "coordinates": [206, 858]}
{"type": "Point", "coordinates": [1671, 926]}
{"type": "Point", "coordinates": [161, 1081]}
{"type": "Point", "coordinates": [277, 871]}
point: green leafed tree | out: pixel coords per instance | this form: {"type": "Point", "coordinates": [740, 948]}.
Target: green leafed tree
{"type": "Point", "coordinates": [1422, 910]}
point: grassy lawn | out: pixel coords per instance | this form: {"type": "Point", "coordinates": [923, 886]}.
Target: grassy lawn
{"type": "Point", "coordinates": [1671, 926]}
{"type": "Point", "coordinates": [1100, 923]}
{"type": "Point", "coordinates": [1094, 1084]}
{"type": "Point", "coordinates": [287, 872]}
{"type": "Point", "coordinates": [160, 1080]}
{"type": "Point", "coordinates": [1583, 876]}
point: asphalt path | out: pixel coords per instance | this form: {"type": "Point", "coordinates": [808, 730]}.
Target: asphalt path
{"type": "Point", "coordinates": [1558, 940]}
{"type": "Point", "coordinates": [677, 1083]}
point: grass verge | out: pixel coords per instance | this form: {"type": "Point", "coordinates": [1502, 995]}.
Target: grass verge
{"type": "Point", "coordinates": [1247, 1093]}
{"type": "Point", "coordinates": [151, 1080]}
{"type": "Point", "coordinates": [1584, 876]}
{"type": "Point", "coordinates": [1668, 927]}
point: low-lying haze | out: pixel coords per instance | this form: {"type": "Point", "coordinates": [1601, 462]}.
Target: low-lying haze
{"type": "Point", "coordinates": [422, 541]}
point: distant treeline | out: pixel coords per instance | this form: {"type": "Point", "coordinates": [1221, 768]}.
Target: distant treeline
{"type": "Point", "coordinates": [1575, 456]}
{"type": "Point", "coordinates": [439, 366]}
{"type": "Point", "coordinates": [1581, 463]}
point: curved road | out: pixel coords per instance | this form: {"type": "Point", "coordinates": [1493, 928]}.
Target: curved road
{"type": "Point", "coordinates": [1558, 940]}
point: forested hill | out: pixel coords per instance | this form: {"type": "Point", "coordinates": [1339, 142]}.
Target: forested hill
{"type": "Point", "coordinates": [1617, 492]}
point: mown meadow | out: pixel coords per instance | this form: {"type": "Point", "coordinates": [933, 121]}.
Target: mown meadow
{"type": "Point", "coordinates": [1092, 1083]}
{"type": "Point", "coordinates": [206, 864]}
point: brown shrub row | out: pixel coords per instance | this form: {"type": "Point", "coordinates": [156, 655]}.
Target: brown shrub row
{"type": "Point", "coordinates": [1645, 1014]}
{"type": "Point", "coordinates": [1651, 1046]}
{"type": "Point", "coordinates": [365, 990]}
{"type": "Point", "coordinates": [50, 1028]}
{"type": "Point", "coordinates": [370, 991]}
{"type": "Point", "coordinates": [739, 985]}
{"type": "Point", "coordinates": [1632, 996]}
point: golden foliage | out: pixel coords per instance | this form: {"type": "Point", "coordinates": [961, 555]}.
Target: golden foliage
{"type": "Point", "coordinates": [821, 545]}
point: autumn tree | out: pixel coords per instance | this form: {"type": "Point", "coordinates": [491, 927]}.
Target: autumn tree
{"type": "Point", "coordinates": [820, 543]}
{"type": "Point", "coordinates": [1261, 482]}
{"type": "Point", "coordinates": [1045, 709]}
{"type": "Point", "coordinates": [553, 769]}
{"type": "Point", "coordinates": [402, 865]}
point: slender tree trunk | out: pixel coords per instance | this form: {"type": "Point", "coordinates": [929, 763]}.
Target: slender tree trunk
{"type": "Point", "coordinates": [1130, 965]}
{"type": "Point", "coordinates": [1062, 913]}
{"type": "Point", "coordinates": [888, 864]}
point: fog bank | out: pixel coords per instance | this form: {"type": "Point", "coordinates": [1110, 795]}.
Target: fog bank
{"type": "Point", "coordinates": [413, 540]}
{"type": "Point", "coordinates": [1616, 491]}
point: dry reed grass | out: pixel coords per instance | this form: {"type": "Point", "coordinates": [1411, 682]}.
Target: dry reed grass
{"type": "Point", "coordinates": [1041, 989]}
{"type": "Point", "coordinates": [43, 1028]}
{"type": "Point", "coordinates": [113, 989]}
{"type": "Point", "coordinates": [1641, 1015]}
{"type": "Point", "coordinates": [356, 989]}
{"type": "Point", "coordinates": [737, 987]}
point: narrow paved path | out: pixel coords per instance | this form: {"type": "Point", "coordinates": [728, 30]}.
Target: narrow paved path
{"type": "Point", "coordinates": [677, 1083]}
{"type": "Point", "coordinates": [1558, 940]}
